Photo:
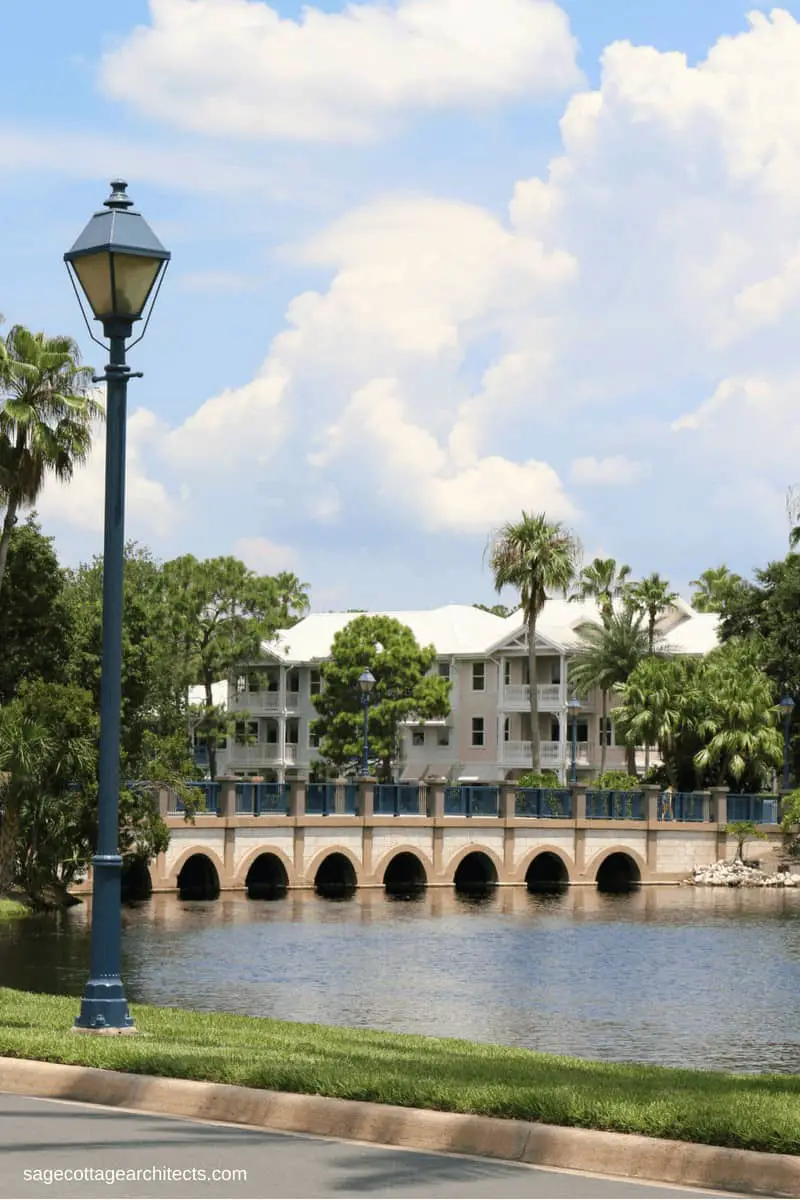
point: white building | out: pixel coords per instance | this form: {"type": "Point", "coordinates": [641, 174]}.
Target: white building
{"type": "Point", "coordinates": [486, 737]}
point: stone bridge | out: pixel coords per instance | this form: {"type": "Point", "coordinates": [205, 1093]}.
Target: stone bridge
{"type": "Point", "coordinates": [267, 838]}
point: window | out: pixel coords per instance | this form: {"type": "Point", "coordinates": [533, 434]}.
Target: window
{"type": "Point", "coordinates": [478, 677]}
{"type": "Point", "coordinates": [507, 672]}
{"type": "Point", "coordinates": [555, 730]}
{"type": "Point", "coordinates": [477, 729]}
{"type": "Point", "coordinates": [273, 680]}
{"type": "Point", "coordinates": [507, 729]}
{"type": "Point", "coordinates": [418, 737]}
{"type": "Point", "coordinates": [314, 682]}
{"type": "Point", "coordinates": [293, 681]}
{"type": "Point", "coordinates": [526, 672]}
{"type": "Point", "coordinates": [313, 738]}
{"type": "Point", "coordinates": [555, 670]}
{"type": "Point", "coordinates": [292, 731]}
{"type": "Point", "coordinates": [271, 733]}
{"type": "Point", "coordinates": [606, 728]}
{"type": "Point", "coordinates": [444, 737]}
{"type": "Point", "coordinates": [444, 670]}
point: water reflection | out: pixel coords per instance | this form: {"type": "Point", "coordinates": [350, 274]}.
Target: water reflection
{"type": "Point", "coordinates": [680, 976]}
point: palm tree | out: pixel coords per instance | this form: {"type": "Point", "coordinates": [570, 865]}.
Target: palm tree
{"type": "Point", "coordinates": [46, 415]}
{"type": "Point", "coordinates": [660, 704]}
{"type": "Point", "coordinates": [602, 580]}
{"type": "Point", "coordinates": [651, 596]}
{"type": "Point", "coordinates": [740, 727]}
{"type": "Point", "coordinates": [607, 656]}
{"type": "Point", "coordinates": [714, 587]}
{"type": "Point", "coordinates": [535, 556]}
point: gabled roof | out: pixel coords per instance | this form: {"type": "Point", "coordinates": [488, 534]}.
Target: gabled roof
{"type": "Point", "coordinates": [463, 630]}
{"type": "Point", "coordinates": [453, 629]}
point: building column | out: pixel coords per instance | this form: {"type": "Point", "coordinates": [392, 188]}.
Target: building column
{"type": "Point", "coordinates": [508, 811]}
{"type": "Point", "coordinates": [281, 763]}
{"type": "Point", "coordinates": [436, 802]}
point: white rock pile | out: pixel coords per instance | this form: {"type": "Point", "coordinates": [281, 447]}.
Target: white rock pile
{"type": "Point", "coordinates": [734, 873]}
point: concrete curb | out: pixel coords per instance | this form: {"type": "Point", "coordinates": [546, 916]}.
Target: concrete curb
{"type": "Point", "coordinates": [626, 1155]}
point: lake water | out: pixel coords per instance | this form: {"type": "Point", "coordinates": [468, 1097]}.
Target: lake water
{"type": "Point", "coordinates": [679, 976]}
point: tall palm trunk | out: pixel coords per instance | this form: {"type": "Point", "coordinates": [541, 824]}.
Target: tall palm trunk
{"type": "Point", "coordinates": [9, 521]}
{"type": "Point", "coordinates": [651, 638]}
{"type": "Point", "coordinates": [603, 726]}
{"type": "Point", "coordinates": [535, 740]}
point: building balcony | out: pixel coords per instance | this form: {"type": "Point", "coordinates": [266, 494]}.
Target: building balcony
{"type": "Point", "coordinates": [551, 754]}
{"type": "Point", "coordinates": [256, 703]}
{"type": "Point", "coordinates": [260, 754]}
{"type": "Point", "coordinates": [518, 696]}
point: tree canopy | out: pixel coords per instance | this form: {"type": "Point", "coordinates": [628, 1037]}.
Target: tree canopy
{"type": "Point", "coordinates": [404, 689]}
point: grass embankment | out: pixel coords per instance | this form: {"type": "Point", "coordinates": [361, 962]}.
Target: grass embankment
{"type": "Point", "coordinates": [756, 1112]}
{"type": "Point", "coordinates": [12, 909]}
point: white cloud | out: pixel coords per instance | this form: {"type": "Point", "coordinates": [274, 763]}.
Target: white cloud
{"type": "Point", "coordinates": [650, 281]}
{"type": "Point", "coordinates": [150, 509]}
{"type": "Point", "coordinates": [442, 493]}
{"type": "Point", "coordinates": [236, 68]}
{"type": "Point", "coordinates": [614, 471]}
{"type": "Point", "coordinates": [263, 556]}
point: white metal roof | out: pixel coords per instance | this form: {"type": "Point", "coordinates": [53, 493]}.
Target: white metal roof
{"type": "Point", "coordinates": [453, 629]}
{"type": "Point", "coordinates": [461, 629]}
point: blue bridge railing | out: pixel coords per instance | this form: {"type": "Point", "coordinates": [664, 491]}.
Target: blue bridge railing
{"type": "Point", "coordinates": [257, 799]}
{"type": "Point", "coordinates": [476, 800]}
{"type": "Point", "coordinates": [321, 799]}
{"type": "Point", "coordinates": [543, 802]}
{"type": "Point", "coordinates": [761, 809]}
{"type": "Point", "coordinates": [607, 805]}
{"type": "Point", "coordinates": [472, 801]}
{"type": "Point", "coordinates": [399, 800]}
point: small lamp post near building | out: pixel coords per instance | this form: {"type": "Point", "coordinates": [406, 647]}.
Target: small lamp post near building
{"type": "Point", "coordinates": [786, 707]}
{"type": "Point", "coordinates": [366, 682]}
{"type": "Point", "coordinates": [574, 707]}
{"type": "Point", "coordinates": [119, 264]}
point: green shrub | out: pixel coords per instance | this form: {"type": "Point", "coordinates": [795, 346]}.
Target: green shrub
{"type": "Point", "coordinates": [617, 781]}
{"type": "Point", "coordinates": [542, 779]}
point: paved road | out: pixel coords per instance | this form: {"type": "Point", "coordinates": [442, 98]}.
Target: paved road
{"type": "Point", "coordinates": [47, 1135]}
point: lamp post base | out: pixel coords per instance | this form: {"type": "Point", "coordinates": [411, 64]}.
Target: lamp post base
{"type": "Point", "coordinates": [104, 1009]}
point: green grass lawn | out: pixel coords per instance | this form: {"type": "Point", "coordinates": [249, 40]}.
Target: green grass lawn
{"type": "Point", "coordinates": [757, 1112]}
{"type": "Point", "coordinates": [11, 909]}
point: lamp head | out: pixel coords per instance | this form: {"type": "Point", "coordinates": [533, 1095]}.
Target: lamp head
{"type": "Point", "coordinates": [786, 706]}
{"type": "Point", "coordinates": [574, 706]}
{"type": "Point", "coordinates": [366, 682]}
{"type": "Point", "coordinates": [117, 261]}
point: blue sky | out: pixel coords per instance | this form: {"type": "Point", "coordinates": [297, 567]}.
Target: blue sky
{"type": "Point", "coordinates": [433, 261]}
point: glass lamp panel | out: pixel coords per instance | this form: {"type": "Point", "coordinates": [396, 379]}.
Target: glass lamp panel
{"type": "Point", "coordinates": [94, 276]}
{"type": "Point", "coordinates": [134, 276]}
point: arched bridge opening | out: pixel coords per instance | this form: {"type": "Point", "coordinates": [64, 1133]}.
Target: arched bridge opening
{"type": "Point", "coordinates": [335, 878]}
{"type": "Point", "coordinates": [198, 879]}
{"type": "Point", "coordinates": [475, 874]}
{"type": "Point", "coordinates": [618, 873]}
{"type": "Point", "coordinates": [547, 873]}
{"type": "Point", "coordinates": [405, 876]}
{"type": "Point", "coordinates": [135, 882]}
{"type": "Point", "coordinates": [267, 878]}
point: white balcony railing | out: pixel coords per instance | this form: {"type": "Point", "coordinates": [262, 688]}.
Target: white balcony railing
{"type": "Point", "coordinates": [254, 755]}
{"type": "Point", "coordinates": [256, 702]}
{"type": "Point", "coordinates": [518, 695]}
{"type": "Point", "coordinates": [551, 754]}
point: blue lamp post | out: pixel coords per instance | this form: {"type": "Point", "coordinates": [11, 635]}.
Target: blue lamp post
{"type": "Point", "coordinates": [119, 264]}
{"type": "Point", "coordinates": [366, 682]}
{"type": "Point", "coordinates": [786, 707]}
{"type": "Point", "coordinates": [574, 707]}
